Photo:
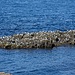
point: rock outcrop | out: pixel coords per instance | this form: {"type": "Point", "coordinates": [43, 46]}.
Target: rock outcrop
{"type": "Point", "coordinates": [3, 73]}
{"type": "Point", "coordinates": [38, 40]}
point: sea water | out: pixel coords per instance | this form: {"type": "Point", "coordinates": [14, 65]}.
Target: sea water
{"type": "Point", "coordinates": [19, 16]}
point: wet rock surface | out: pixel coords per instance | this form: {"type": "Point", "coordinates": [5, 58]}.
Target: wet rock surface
{"type": "Point", "coordinates": [38, 40]}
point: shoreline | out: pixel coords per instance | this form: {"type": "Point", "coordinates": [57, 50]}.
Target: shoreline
{"type": "Point", "coordinates": [38, 40]}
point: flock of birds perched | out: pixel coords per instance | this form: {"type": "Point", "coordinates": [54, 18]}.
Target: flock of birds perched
{"type": "Point", "coordinates": [42, 39]}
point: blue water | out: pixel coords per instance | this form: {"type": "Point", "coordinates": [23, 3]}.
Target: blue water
{"type": "Point", "coordinates": [18, 16]}
{"type": "Point", "coordinates": [58, 61]}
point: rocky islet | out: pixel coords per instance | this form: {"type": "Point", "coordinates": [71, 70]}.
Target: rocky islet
{"type": "Point", "coordinates": [40, 39]}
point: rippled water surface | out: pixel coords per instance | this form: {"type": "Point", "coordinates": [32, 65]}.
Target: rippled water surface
{"type": "Point", "coordinates": [18, 16]}
{"type": "Point", "coordinates": [58, 61]}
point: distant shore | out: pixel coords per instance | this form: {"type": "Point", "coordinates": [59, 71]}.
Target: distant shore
{"type": "Point", "coordinates": [38, 40]}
